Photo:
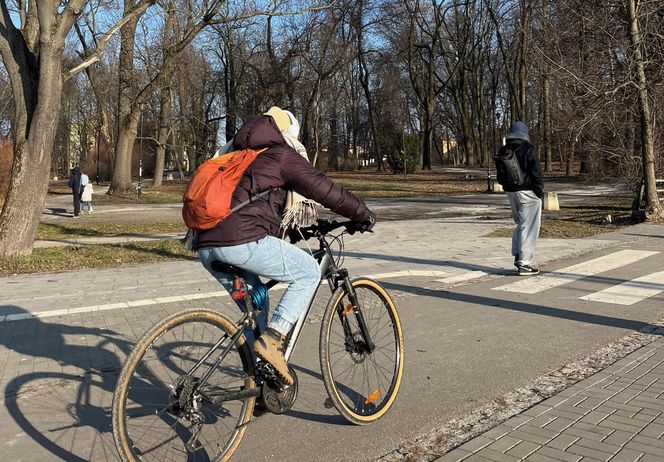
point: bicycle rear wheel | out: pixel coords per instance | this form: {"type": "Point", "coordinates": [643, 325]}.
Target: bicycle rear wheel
{"type": "Point", "coordinates": [362, 385]}
{"type": "Point", "coordinates": [162, 413]}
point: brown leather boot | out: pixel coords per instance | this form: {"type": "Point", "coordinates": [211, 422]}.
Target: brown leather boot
{"type": "Point", "coordinates": [270, 348]}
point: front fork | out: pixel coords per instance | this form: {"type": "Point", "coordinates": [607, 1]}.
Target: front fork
{"type": "Point", "coordinates": [341, 276]}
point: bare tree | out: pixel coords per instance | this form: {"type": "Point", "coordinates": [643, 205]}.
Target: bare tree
{"type": "Point", "coordinates": [653, 206]}
{"type": "Point", "coordinates": [33, 56]}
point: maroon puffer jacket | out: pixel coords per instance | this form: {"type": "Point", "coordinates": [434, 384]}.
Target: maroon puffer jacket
{"type": "Point", "coordinates": [280, 166]}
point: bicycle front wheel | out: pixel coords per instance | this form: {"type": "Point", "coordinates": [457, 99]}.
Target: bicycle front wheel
{"type": "Point", "coordinates": [362, 381]}
{"type": "Point", "coordinates": [162, 412]}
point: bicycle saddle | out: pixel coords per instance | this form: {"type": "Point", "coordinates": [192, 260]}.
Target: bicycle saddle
{"type": "Point", "coordinates": [222, 267]}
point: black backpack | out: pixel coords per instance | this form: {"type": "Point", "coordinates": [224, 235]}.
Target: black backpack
{"type": "Point", "coordinates": [508, 170]}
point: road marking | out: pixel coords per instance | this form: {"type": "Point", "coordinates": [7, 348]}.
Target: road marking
{"type": "Point", "coordinates": [630, 292]}
{"type": "Point", "coordinates": [180, 298]}
{"type": "Point", "coordinates": [535, 284]}
{"type": "Point", "coordinates": [399, 274]}
{"type": "Point", "coordinates": [463, 277]}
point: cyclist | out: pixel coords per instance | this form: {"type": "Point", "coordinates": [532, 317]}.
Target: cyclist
{"type": "Point", "coordinates": [250, 238]}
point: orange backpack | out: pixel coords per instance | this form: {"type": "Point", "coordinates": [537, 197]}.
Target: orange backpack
{"type": "Point", "coordinates": [207, 199]}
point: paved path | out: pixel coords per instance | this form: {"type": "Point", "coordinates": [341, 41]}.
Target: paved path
{"type": "Point", "coordinates": [616, 415]}
{"type": "Point", "coordinates": [64, 335]}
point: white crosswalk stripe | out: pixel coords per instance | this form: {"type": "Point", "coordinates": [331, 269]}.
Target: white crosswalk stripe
{"type": "Point", "coordinates": [536, 284]}
{"type": "Point", "coordinates": [630, 292]}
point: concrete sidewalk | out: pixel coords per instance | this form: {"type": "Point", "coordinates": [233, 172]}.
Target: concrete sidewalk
{"type": "Point", "coordinates": [615, 415]}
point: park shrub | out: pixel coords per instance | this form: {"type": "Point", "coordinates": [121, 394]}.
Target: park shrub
{"type": "Point", "coordinates": [407, 149]}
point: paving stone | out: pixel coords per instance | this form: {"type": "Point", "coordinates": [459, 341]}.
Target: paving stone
{"type": "Point", "coordinates": [456, 455]}
{"type": "Point", "coordinates": [533, 434]}
{"type": "Point", "coordinates": [587, 452]}
{"type": "Point", "coordinates": [618, 438]}
{"type": "Point", "coordinates": [649, 458]}
{"type": "Point", "coordinates": [504, 444]}
{"type": "Point", "coordinates": [558, 454]}
{"type": "Point", "coordinates": [589, 435]}
{"type": "Point", "coordinates": [559, 424]}
{"type": "Point", "coordinates": [538, 457]}
{"type": "Point", "coordinates": [477, 443]}
{"type": "Point", "coordinates": [611, 422]}
{"type": "Point", "coordinates": [517, 421]}
{"type": "Point", "coordinates": [495, 456]}
{"type": "Point", "coordinates": [653, 430]}
{"type": "Point", "coordinates": [627, 455]}
{"type": "Point", "coordinates": [646, 448]}
{"type": "Point", "coordinates": [523, 449]}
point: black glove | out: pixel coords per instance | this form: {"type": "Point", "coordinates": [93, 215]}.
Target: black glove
{"type": "Point", "coordinates": [367, 222]}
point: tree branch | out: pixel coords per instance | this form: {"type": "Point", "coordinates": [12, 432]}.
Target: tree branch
{"type": "Point", "coordinates": [103, 41]}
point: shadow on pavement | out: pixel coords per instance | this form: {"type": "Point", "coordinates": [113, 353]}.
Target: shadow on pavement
{"type": "Point", "coordinates": [57, 212]}
{"type": "Point", "coordinates": [560, 313]}
{"type": "Point", "coordinates": [64, 387]}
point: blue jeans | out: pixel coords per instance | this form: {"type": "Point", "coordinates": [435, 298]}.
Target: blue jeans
{"type": "Point", "coordinates": [527, 215]}
{"type": "Point", "coordinates": [271, 258]}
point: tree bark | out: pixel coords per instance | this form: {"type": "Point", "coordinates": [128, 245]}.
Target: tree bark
{"type": "Point", "coordinates": [653, 206]}
{"type": "Point", "coordinates": [162, 136]}
{"type": "Point", "coordinates": [37, 95]}
{"type": "Point", "coordinates": [127, 121]}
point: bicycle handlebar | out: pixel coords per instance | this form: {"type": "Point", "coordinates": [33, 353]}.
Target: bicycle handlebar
{"type": "Point", "coordinates": [324, 227]}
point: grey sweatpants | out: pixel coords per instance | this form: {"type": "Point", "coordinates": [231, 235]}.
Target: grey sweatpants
{"type": "Point", "coordinates": [527, 215]}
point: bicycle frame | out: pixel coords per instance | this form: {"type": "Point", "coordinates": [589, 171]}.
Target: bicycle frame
{"type": "Point", "coordinates": [335, 276]}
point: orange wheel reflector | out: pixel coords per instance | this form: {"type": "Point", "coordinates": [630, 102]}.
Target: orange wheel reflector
{"type": "Point", "coordinates": [372, 397]}
{"type": "Point", "coordinates": [348, 308]}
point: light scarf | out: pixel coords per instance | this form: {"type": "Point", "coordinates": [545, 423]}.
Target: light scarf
{"type": "Point", "coordinates": [300, 211]}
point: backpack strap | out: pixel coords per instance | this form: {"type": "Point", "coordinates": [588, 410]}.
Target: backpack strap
{"type": "Point", "coordinates": [252, 199]}
{"type": "Point", "coordinates": [253, 195]}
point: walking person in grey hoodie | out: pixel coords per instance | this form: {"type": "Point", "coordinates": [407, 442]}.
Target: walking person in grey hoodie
{"type": "Point", "coordinates": [525, 199]}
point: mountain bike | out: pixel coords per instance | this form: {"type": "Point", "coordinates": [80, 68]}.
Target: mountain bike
{"type": "Point", "coordinates": [192, 383]}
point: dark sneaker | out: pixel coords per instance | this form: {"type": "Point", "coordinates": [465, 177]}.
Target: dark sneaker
{"type": "Point", "coordinates": [270, 348]}
{"type": "Point", "coordinates": [526, 270]}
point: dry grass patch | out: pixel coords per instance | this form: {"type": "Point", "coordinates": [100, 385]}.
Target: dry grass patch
{"type": "Point", "coordinates": [50, 231]}
{"type": "Point", "coordinates": [575, 223]}
{"type": "Point", "coordinates": [52, 259]}
{"type": "Point", "coordinates": [373, 184]}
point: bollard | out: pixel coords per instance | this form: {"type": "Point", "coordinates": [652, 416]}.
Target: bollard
{"type": "Point", "coordinates": [551, 201]}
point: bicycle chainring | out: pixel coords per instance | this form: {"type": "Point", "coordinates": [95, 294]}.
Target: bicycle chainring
{"type": "Point", "coordinates": [279, 402]}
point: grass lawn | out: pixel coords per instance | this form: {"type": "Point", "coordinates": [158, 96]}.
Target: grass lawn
{"type": "Point", "coordinates": [363, 183]}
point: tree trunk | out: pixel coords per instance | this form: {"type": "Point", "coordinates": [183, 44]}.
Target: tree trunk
{"type": "Point", "coordinates": [121, 182]}
{"type": "Point", "coordinates": [162, 136]}
{"type": "Point", "coordinates": [32, 157]}
{"type": "Point", "coordinates": [127, 123]}
{"type": "Point", "coordinates": [546, 120]}
{"type": "Point", "coordinates": [653, 206]}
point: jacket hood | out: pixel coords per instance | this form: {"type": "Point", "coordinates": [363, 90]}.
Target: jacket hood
{"type": "Point", "coordinates": [258, 132]}
{"type": "Point", "coordinates": [519, 131]}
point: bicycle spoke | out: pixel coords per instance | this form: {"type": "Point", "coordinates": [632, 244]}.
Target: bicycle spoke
{"type": "Point", "coordinates": [364, 381]}
{"type": "Point", "coordinates": [162, 421]}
